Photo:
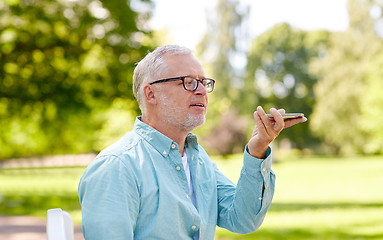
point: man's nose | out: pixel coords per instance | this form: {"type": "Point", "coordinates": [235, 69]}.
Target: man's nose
{"type": "Point", "coordinates": [201, 89]}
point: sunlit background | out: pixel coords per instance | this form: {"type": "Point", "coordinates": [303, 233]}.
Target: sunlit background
{"type": "Point", "coordinates": [186, 21]}
{"type": "Point", "coordinates": [65, 94]}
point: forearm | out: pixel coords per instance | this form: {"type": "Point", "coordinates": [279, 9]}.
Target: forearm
{"type": "Point", "coordinates": [244, 209]}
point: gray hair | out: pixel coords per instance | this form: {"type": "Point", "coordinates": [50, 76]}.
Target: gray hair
{"type": "Point", "coordinates": [151, 67]}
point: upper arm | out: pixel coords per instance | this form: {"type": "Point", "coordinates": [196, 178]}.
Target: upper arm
{"type": "Point", "coordinates": [109, 197]}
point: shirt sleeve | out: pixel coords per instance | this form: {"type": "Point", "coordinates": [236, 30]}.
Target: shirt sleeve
{"type": "Point", "coordinates": [242, 208]}
{"type": "Point", "coordinates": [109, 197]}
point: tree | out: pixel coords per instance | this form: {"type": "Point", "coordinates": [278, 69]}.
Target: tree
{"type": "Point", "coordinates": [63, 63]}
{"type": "Point", "coordinates": [337, 111]}
{"type": "Point", "coordinates": [371, 102]}
{"type": "Point", "coordinates": [220, 51]}
{"type": "Point", "coordinates": [278, 75]}
{"type": "Point", "coordinates": [222, 45]}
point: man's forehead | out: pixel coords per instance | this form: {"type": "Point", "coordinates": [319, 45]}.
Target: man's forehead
{"type": "Point", "coordinates": [177, 57]}
{"type": "Point", "coordinates": [184, 64]}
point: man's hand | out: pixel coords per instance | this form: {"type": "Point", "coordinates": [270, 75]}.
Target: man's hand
{"type": "Point", "coordinates": [267, 129]}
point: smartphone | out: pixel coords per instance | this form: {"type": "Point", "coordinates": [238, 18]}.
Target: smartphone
{"type": "Point", "coordinates": [289, 115]}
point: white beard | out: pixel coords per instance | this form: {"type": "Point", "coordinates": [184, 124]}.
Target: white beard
{"type": "Point", "coordinates": [176, 116]}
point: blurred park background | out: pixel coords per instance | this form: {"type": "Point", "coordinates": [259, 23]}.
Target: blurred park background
{"type": "Point", "coordinates": [65, 92]}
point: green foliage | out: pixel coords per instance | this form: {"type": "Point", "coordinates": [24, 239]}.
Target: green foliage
{"type": "Point", "coordinates": [221, 45]}
{"type": "Point", "coordinates": [371, 101]}
{"type": "Point", "coordinates": [332, 77]}
{"type": "Point", "coordinates": [278, 75]}
{"type": "Point", "coordinates": [61, 65]}
{"type": "Point", "coordinates": [343, 81]}
{"type": "Point", "coordinates": [220, 51]}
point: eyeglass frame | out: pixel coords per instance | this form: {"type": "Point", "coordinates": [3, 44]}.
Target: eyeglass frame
{"type": "Point", "coordinates": [182, 78]}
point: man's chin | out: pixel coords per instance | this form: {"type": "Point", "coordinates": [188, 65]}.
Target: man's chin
{"type": "Point", "coordinates": [194, 122]}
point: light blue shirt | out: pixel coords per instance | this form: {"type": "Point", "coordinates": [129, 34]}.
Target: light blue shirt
{"type": "Point", "coordinates": [137, 189]}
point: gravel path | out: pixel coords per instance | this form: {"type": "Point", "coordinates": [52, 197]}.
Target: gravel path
{"type": "Point", "coordinates": [27, 228]}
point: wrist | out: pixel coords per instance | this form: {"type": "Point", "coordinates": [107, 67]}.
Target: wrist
{"type": "Point", "coordinates": [258, 153]}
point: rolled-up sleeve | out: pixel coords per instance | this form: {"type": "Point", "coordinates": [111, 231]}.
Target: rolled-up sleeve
{"type": "Point", "coordinates": [242, 208]}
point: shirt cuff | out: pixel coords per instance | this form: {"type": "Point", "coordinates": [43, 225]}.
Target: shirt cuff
{"type": "Point", "coordinates": [255, 165]}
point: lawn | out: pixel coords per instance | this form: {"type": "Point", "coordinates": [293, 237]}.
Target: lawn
{"type": "Point", "coordinates": [32, 191]}
{"type": "Point", "coordinates": [315, 198]}
{"type": "Point", "coordinates": [321, 198]}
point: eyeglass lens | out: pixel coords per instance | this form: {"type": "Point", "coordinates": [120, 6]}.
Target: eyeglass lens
{"type": "Point", "coordinates": [191, 84]}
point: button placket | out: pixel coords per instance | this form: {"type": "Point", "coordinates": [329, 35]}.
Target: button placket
{"type": "Point", "coordinates": [177, 165]}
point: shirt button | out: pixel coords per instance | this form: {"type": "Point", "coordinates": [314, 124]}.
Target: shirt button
{"type": "Point", "coordinates": [194, 227]}
{"type": "Point", "coordinates": [178, 168]}
{"type": "Point", "coordinates": [187, 196]}
{"type": "Point", "coordinates": [263, 169]}
{"type": "Point", "coordinates": [260, 198]}
{"type": "Point", "coordinates": [164, 152]}
{"type": "Point", "coordinates": [173, 146]}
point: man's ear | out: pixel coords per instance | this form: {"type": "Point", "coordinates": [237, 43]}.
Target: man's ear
{"type": "Point", "coordinates": [149, 94]}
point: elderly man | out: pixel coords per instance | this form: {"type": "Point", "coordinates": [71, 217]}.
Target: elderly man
{"type": "Point", "coordinates": [157, 182]}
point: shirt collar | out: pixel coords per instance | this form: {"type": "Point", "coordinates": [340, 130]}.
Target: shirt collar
{"type": "Point", "coordinates": [191, 141]}
{"type": "Point", "coordinates": [159, 141]}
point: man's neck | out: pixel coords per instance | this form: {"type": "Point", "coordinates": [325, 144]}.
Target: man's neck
{"type": "Point", "coordinates": [168, 130]}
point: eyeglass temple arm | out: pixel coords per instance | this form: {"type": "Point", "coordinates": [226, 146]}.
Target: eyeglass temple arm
{"type": "Point", "coordinates": [167, 80]}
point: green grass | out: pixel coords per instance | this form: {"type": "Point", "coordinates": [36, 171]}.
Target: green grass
{"type": "Point", "coordinates": [315, 198]}
{"type": "Point", "coordinates": [32, 191]}
{"type": "Point", "coordinates": [321, 198]}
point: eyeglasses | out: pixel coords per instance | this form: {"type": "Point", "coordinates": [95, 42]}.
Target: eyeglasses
{"type": "Point", "coordinates": [190, 83]}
